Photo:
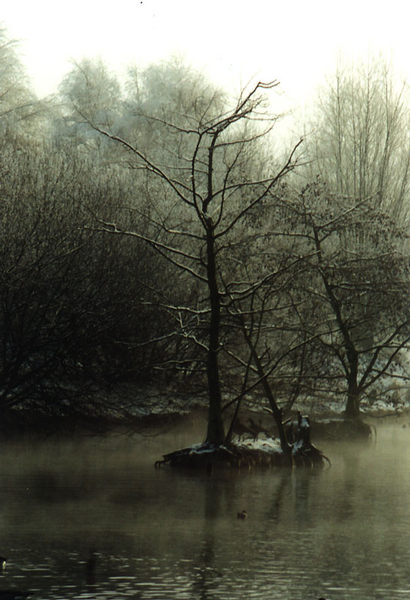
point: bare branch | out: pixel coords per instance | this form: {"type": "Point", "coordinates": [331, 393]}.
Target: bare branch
{"type": "Point", "coordinates": [289, 165]}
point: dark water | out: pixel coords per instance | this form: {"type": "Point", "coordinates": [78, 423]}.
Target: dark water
{"type": "Point", "coordinates": [343, 532]}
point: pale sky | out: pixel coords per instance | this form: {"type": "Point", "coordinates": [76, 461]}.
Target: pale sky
{"type": "Point", "coordinates": [235, 41]}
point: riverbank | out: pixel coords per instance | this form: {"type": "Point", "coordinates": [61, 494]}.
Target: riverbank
{"type": "Point", "coordinates": [152, 411]}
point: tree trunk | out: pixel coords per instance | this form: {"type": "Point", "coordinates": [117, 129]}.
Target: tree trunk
{"type": "Point", "coordinates": [352, 410]}
{"type": "Point", "coordinates": [276, 411]}
{"type": "Point", "coordinates": [215, 432]}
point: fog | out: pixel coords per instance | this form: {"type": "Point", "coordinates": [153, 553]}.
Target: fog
{"type": "Point", "coordinates": [341, 532]}
{"type": "Point", "coordinates": [234, 42]}
{"type": "Point", "coordinates": [90, 320]}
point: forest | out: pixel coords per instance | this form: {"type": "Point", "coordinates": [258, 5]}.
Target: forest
{"type": "Point", "coordinates": [158, 231]}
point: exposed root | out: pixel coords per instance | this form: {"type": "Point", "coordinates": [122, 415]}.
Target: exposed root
{"type": "Point", "coordinates": [246, 455]}
{"type": "Point", "coordinates": [304, 453]}
{"type": "Point", "coordinates": [252, 452]}
{"type": "Point", "coordinates": [310, 456]}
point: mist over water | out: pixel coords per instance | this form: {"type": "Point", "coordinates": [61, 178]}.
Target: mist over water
{"type": "Point", "coordinates": [341, 532]}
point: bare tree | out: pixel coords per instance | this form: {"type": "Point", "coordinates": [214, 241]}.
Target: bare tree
{"type": "Point", "coordinates": [208, 196]}
{"type": "Point", "coordinates": [355, 290]}
{"type": "Point", "coordinates": [20, 110]}
{"type": "Point", "coordinates": [88, 92]}
{"type": "Point", "coordinates": [359, 138]}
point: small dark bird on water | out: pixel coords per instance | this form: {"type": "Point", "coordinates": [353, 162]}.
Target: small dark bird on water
{"type": "Point", "coordinates": [242, 514]}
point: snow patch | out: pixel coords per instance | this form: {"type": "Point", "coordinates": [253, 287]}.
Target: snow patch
{"type": "Point", "coordinates": [270, 445]}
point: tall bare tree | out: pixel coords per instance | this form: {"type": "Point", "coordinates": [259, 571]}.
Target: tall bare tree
{"type": "Point", "coordinates": [359, 136]}
{"type": "Point", "coordinates": [195, 221]}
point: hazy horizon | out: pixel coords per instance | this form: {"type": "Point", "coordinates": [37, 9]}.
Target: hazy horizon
{"type": "Point", "coordinates": [233, 43]}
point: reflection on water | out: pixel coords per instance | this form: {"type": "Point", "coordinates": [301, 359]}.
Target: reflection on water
{"type": "Point", "coordinates": [92, 519]}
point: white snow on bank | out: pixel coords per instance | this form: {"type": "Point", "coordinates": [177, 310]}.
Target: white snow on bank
{"type": "Point", "coordinates": [270, 445]}
{"type": "Point", "coordinates": [202, 449]}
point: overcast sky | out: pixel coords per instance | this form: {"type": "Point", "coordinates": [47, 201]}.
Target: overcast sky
{"type": "Point", "coordinates": [234, 41]}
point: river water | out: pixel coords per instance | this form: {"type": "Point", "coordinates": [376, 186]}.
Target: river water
{"type": "Point", "coordinates": [340, 532]}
